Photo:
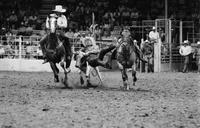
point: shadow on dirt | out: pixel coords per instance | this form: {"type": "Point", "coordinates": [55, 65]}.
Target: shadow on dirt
{"type": "Point", "coordinates": [95, 87]}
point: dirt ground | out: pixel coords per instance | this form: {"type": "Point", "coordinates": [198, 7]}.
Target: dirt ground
{"type": "Point", "coordinates": [159, 100]}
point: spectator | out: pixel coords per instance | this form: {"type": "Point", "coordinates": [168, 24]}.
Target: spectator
{"type": "Point", "coordinates": [70, 33]}
{"type": "Point", "coordinates": [197, 55]}
{"type": "Point", "coordinates": [185, 51]}
{"type": "Point", "coordinates": [12, 19]}
{"type": "Point", "coordinates": [134, 14]}
{"type": "Point", "coordinates": [153, 35]}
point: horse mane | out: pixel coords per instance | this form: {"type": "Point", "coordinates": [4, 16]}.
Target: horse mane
{"type": "Point", "coordinates": [52, 41]}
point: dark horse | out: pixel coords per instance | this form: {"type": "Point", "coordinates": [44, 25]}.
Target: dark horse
{"type": "Point", "coordinates": [57, 49]}
{"type": "Point", "coordinates": [127, 58]}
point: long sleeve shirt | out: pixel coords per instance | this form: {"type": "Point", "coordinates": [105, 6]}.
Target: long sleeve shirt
{"type": "Point", "coordinates": [61, 21]}
{"type": "Point", "coordinates": [153, 36]}
{"type": "Point", "coordinates": [185, 50]}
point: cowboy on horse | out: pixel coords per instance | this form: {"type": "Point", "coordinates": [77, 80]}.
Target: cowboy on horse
{"type": "Point", "coordinates": [61, 24]}
{"type": "Point", "coordinates": [127, 38]}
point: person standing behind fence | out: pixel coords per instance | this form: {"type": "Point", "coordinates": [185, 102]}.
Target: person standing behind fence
{"type": "Point", "coordinates": [185, 51]}
{"type": "Point", "coordinates": [153, 35]}
{"type": "Point", "coordinates": [197, 55]}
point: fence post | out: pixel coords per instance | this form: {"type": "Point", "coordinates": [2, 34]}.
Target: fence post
{"type": "Point", "coordinates": [181, 32]}
{"type": "Point", "coordinates": [157, 51]}
{"type": "Point", "coordinates": [20, 47]}
{"type": "Point", "coordinates": [170, 45]}
{"type": "Point", "coordinates": [141, 64]}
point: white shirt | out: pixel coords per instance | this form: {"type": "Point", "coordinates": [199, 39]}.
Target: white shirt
{"type": "Point", "coordinates": [153, 35]}
{"type": "Point", "coordinates": [61, 22]}
{"type": "Point", "coordinates": [185, 50]}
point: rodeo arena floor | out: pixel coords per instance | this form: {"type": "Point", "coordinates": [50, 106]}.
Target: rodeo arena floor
{"type": "Point", "coordinates": [29, 98]}
{"type": "Point", "coordinates": [159, 100]}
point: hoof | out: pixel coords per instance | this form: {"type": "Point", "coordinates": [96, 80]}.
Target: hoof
{"type": "Point", "coordinates": [67, 87]}
{"type": "Point", "coordinates": [56, 80]}
{"type": "Point", "coordinates": [89, 85]}
{"type": "Point", "coordinates": [65, 82]}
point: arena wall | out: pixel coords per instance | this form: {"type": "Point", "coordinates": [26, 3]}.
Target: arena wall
{"type": "Point", "coordinates": [27, 65]}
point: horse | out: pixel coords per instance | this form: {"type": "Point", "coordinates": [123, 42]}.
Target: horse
{"type": "Point", "coordinates": [57, 51]}
{"type": "Point", "coordinates": [127, 58]}
{"type": "Point", "coordinates": [148, 53]}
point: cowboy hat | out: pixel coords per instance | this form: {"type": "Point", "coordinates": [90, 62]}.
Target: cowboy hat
{"type": "Point", "coordinates": [186, 42]}
{"type": "Point", "coordinates": [135, 41]}
{"type": "Point", "coordinates": [88, 41]}
{"type": "Point", "coordinates": [198, 44]}
{"type": "Point", "coordinates": [59, 8]}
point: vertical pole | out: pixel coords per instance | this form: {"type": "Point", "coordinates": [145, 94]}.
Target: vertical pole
{"type": "Point", "coordinates": [193, 32]}
{"type": "Point", "coordinates": [157, 52]}
{"type": "Point", "coordinates": [166, 9]}
{"type": "Point", "coordinates": [167, 28]}
{"type": "Point", "coordinates": [93, 20]}
{"type": "Point", "coordinates": [170, 46]}
{"type": "Point", "coordinates": [181, 32]}
{"type": "Point", "coordinates": [141, 63]}
{"type": "Point", "coordinates": [20, 47]}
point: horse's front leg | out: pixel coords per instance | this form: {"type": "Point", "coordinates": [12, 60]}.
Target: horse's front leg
{"type": "Point", "coordinates": [55, 71]}
{"type": "Point", "coordinates": [124, 76]}
{"type": "Point", "coordinates": [134, 73]}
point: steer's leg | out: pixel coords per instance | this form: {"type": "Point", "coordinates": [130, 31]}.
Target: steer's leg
{"type": "Point", "coordinates": [99, 75]}
{"type": "Point", "coordinates": [88, 69]}
{"type": "Point", "coordinates": [62, 64]}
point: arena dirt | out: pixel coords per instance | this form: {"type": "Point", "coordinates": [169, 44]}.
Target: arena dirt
{"type": "Point", "coordinates": [159, 100]}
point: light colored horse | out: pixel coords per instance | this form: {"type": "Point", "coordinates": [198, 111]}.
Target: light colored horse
{"type": "Point", "coordinates": [126, 58]}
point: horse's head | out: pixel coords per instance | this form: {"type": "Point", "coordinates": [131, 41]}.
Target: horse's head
{"type": "Point", "coordinates": [52, 24]}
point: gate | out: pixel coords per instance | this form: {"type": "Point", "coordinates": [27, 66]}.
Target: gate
{"type": "Point", "coordinates": [163, 48]}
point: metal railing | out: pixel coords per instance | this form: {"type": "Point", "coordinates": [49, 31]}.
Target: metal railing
{"type": "Point", "coordinates": [18, 47]}
{"type": "Point", "coordinates": [27, 47]}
